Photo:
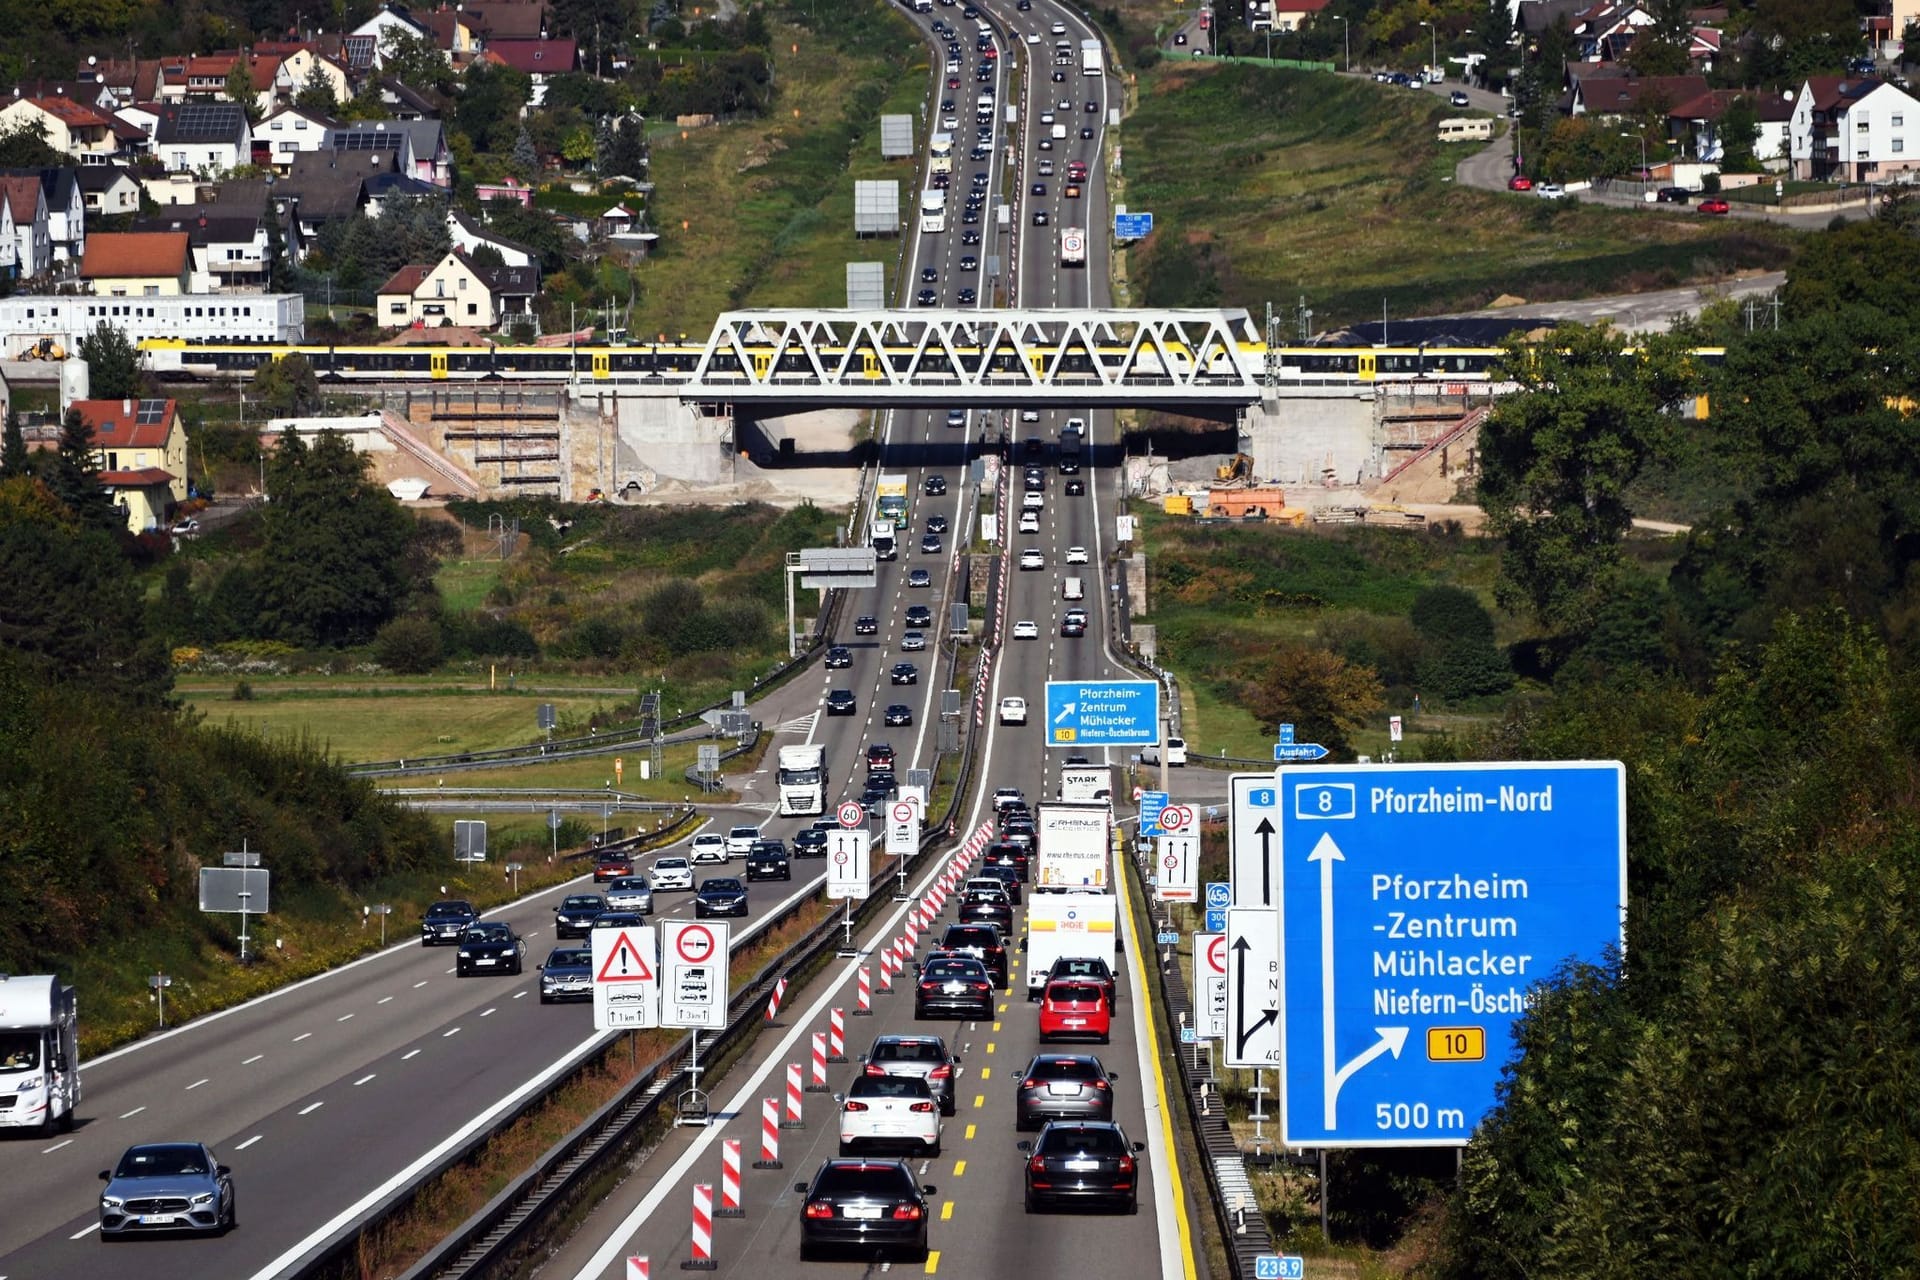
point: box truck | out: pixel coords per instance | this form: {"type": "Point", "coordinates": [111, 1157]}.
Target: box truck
{"type": "Point", "coordinates": [1079, 925]}
{"type": "Point", "coordinates": [39, 1053]}
{"type": "Point", "coordinates": [1075, 847]}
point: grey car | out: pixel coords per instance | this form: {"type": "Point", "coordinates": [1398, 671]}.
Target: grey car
{"type": "Point", "coordinates": [630, 893]}
{"type": "Point", "coordinates": [167, 1186]}
{"type": "Point", "coordinates": [1063, 1086]}
{"type": "Point", "coordinates": [925, 1057]}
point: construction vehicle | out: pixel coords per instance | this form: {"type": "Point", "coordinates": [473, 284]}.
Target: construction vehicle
{"type": "Point", "coordinates": [1236, 470]}
{"type": "Point", "coordinates": [45, 349]}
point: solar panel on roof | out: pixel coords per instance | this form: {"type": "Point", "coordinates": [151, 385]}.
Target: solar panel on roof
{"type": "Point", "coordinates": [151, 412]}
{"type": "Point", "coordinates": [207, 118]}
{"type": "Point", "coordinates": [365, 140]}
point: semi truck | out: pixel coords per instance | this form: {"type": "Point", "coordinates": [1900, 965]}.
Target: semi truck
{"type": "Point", "coordinates": [803, 781]}
{"type": "Point", "coordinates": [39, 1053]}
{"type": "Point", "coordinates": [1073, 247]}
{"type": "Point", "coordinates": [1075, 847]}
{"type": "Point", "coordinates": [1090, 58]}
{"type": "Point", "coordinates": [1061, 925]}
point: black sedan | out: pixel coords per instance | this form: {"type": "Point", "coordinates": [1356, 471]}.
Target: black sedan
{"type": "Point", "coordinates": [445, 921]}
{"type": "Point", "coordinates": [862, 1205]}
{"type": "Point", "coordinates": [866, 625]}
{"type": "Point", "coordinates": [926, 298]}
{"type": "Point", "coordinates": [575, 915]}
{"type": "Point", "coordinates": [919, 578]}
{"type": "Point", "coordinates": [720, 896]}
{"type": "Point", "coordinates": [1063, 1086]}
{"type": "Point", "coordinates": [838, 657]}
{"type": "Point", "coordinates": [1077, 1162]}
{"type": "Point", "coordinates": [810, 843]}
{"type": "Point", "coordinates": [567, 975]}
{"type": "Point", "coordinates": [767, 860]}
{"type": "Point", "coordinates": [490, 947]}
{"type": "Point", "coordinates": [937, 524]}
{"type": "Point", "coordinates": [953, 986]}
{"type": "Point", "coordinates": [167, 1186]}
{"type": "Point", "coordinates": [904, 673]}
{"type": "Point", "coordinates": [840, 702]}
{"type": "Point", "coordinates": [969, 237]}
{"type": "Point", "coordinates": [935, 486]}
{"type": "Point", "coordinates": [967, 296]}
{"type": "Point", "coordinates": [984, 909]}
{"type": "Point", "coordinates": [919, 615]}
{"type": "Point", "coordinates": [898, 715]}
{"type": "Point", "coordinates": [930, 544]}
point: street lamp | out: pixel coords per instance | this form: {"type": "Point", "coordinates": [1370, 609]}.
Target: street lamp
{"type": "Point", "coordinates": [1433, 36]}
{"type": "Point", "coordinates": [1643, 158]}
{"type": "Point", "coordinates": [1346, 40]}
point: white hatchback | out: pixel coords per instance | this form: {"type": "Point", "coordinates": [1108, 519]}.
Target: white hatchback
{"type": "Point", "coordinates": [673, 873]}
{"type": "Point", "coordinates": [1076, 555]}
{"type": "Point", "coordinates": [1029, 523]}
{"type": "Point", "coordinates": [709, 848]}
{"type": "Point", "coordinates": [1013, 711]}
{"type": "Point", "coordinates": [889, 1110]}
{"type": "Point", "coordinates": [1026, 630]}
{"type": "Point", "coordinates": [1032, 559]}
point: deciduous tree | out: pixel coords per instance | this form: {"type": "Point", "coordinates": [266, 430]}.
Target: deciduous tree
{"type": "Point", "coordinates": [113, 363]}
{"type": "Point", "coordinates": [1322, 695]}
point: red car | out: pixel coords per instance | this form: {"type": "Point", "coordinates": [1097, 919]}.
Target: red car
{"type": "Point", "coordinates": [1073, 1007]}
{"type": "Point", "coordinates": [1520, 182]}
{"type": "Point", "coordinates": [1715, 205]}
{"type": "Point", "coordinates": [612, 866]}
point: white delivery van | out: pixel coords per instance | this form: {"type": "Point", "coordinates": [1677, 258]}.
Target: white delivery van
{"type": "Point", "coordinates": [1059, 133]}
{"type": "Point", "coordinates": [1073, 589]}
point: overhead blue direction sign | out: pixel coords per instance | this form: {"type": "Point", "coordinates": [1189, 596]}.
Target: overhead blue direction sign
{"type": "Point", "coordinates": [1132, 226]}
{"type": "Point", "coordinates": [1419, 904]}
{"type": "Point", "coordinates": [1103, 713]}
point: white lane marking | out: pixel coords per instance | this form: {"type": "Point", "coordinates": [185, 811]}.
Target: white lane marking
{"type": "Point", "coordinates": [307, 1110]}
{"type": "Point", "coordinates": [383, 999]}
{"type": "Point", "coordinates": [454, 1032]}
{"type": "Point", "coordinates": [247, 1062]}
{"type": "Point", "coordinates": [418, 985]}
{"type": "Point", "coordinates": [47, 1151]}
{"type": "Point", "coordinates": [131, 1114]}
{"type": "Point", "coordinates": [302, 1036]}
{"type": "Point", "coordinates": [242, 1146]}
{"type": "Point", "coordinates": [449, 971]}
{"type": "Point", "coordinates": [343, 1017]}
{"type": "Point", "coordinates": [518, 994]}
{"type": "Point", "coordinates": [196, 1084]}
{"type": "Point", "coordinates": [409, 1055]}
{"type": "Point", "coordinates": [486, 1013]}
{"type": "Point", "coordinates": [363, 1079]}
{"type": "Point", "coordinates": [85, 1231]}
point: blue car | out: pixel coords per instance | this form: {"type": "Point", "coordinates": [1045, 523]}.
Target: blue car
{"type": "Point", "coordinates": [567, 975]}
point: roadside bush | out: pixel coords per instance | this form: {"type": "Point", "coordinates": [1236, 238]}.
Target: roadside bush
{"type": "Point", "coordinates": [409, 645]}
{"type": "Point", "coordinates": [1710, 183]}
{"type": "Point", "coordinates": [480, 635]}
{"type": "Point", "coordinates": [1459, 659]}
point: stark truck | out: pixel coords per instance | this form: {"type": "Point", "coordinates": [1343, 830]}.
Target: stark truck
{"type": "Point", "coordinates": [1077, 925]}
{"type": "Point", "coordinates": [803, 781]}
{"type": "Point", "coordinates": [39, 1053]}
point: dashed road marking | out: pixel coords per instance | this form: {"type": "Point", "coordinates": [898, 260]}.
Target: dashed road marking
{"type": "Point", "coordinates": [310, 1108]}
{"type": "Point", "coordinates": [242, 1146]}
{"type": "Point", "coordinates": [363, 1079]}
{"type": "Point", "coordinates": [131, 1114]}
{"type": "Point", "coordinates": [250, 1061]}
{"type": "Point", "coordinates": [302, 1036]}
{"type": "Point", "coordinates": [411, 1053]}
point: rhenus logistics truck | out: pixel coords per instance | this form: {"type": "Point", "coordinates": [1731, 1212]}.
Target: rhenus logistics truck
{"type": "Point", "coordinates": [1072, 911]}
{"type": "Point", "coordinates": [39, 1053]}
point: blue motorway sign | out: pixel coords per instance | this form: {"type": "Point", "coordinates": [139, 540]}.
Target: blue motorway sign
{"type": "Point", "coordinates": [1287, 749]}
{"type": "Point", "coordinates": [1219, 894]}
{"type": "Point", "coordinates": [1132, 226]}
{"type": "Point", "coordinates": [1151, 803]}
{"type": "Point", "coordinates": [1103, 713]}
{"type": "Point", "coordinates": [1216, 920]}
{"type": "Point", "coordinates": [1419, 905]}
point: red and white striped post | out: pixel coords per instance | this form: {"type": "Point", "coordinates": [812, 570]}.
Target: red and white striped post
{"type": "Point", "coordinates": [886, 972]}
{"type": "Point", "coordinates": [640, 1267]}
{"type": "Point", "coordinates": [702, 1259]}
{"type": "Point", "coordinates": [863, 997]}
{"type": "Point", "coordinates": [730, 1180]}
{"type": "Point", "coordinates": [769, 1135]}
{"type": "Point", "coordinates": [836, 1035]}
{"type": "Point", "coordinates": [818, 1082]}
{"type": "Point", "coordinates": [913, 931]}
{"type": "Point", "coordinates": [773, 1005]}
{"type": "Point", "coordinates": [793, 1120]}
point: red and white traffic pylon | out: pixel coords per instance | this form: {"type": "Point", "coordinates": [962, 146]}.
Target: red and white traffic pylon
{"type": "Point", "coordinates": [913, 931]}
{"type": "Point", "coordinates": [730, 1180]}
{"type": "Point", "coordinates": [863, 997]}
{"type": "Point", "coordinates": [886, 972]}
{"type": "Point", "coordinates": [640, 1267]}
{"type": "Point", "coordinates": [769, 1135]}
{"type": "Point", "coordinates": [793, 1120]}
{"type": "Point", "coordinates": [818, 1082]}
{"type": "Point", "coordinates": [836, 1035]}
{"type": "Point", "coordinates": [702, 1259]}
{"type": "Point", "coordinates": [773, 1005]}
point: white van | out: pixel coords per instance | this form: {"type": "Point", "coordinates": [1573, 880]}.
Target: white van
{"type": "Point", "coordinates": [1059, 133]}
{"type": "Point", "coordinates": [1072, 589]}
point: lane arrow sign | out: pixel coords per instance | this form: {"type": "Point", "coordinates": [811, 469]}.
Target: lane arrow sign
{"type": "Point", "coordinates": [1066, 711]}
{"type": "Point", "coordinates": [1265, 832]}
{"type": "Point", "coordinates": [1326, 853]}
{"type": "Point", "coordinates": [1240, 1001]}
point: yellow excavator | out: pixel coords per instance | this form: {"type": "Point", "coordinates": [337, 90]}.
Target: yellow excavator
{"type": "Point", "coordinates": [1236, 470]}
{"type": "Point", "coordinates": [45, 349]}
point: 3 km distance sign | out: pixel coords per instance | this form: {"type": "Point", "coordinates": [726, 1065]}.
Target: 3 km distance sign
{"type": "Point", "coordinates": [693, 974]}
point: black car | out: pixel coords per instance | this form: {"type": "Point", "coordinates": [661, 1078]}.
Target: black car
{"type": "Point", "coordinates": [811, 843]}
{"type": "Point", "coordinates": [955, 986]}
{"type": "Point", "coordinates": [936, 524]}
{"type": "Point", "coordinates": [925, 298]}
{"type": "Point", "coordinates": [567, 975]}
{"type": "Point", "coordinates": [984, 942]}
{"type": "Point", "coordinates": [863, 1205]}
{"type": "Point", "coordinates": [446, 920]}
{"type": "Point", "coordinates": [934, 486]}
{"type": "Point", "coordinates": [928, 275]}
{"type": "Point", "coordinates": [930, 544]}
{"type": "Point", "coordinates": [720, 896]}
{"type": "Point", "coordinates": [970, 237]}
{"type": "Point", "coordinates": [866, 625]}
{"type": "Point", "coordinates": [919, 578]}
{"type": "Point", "coordinates": [1063, 1086]}
{"type": "Point", "coordinates": [1083, 1162]}
{"type": "Point", "coordinates": [898, 715]}
{"type": "Point", "coordinates": [575, 915]}
{"type": "Point", "coordinates": [839, 657]}
{"type": "Point", "coordinates": [1673, 195]}
{"type": "Point", "coordinates": [983, 909]}
{"type": "Point", "coordinates": [490, 946]}
{"type": "Point", "coordinates": [1010, 857]}
{"type": "Point", "coordinates": [967, 296]}
{"type": "Point", "coordinates": [840, 702]}
{"type": "Point", "coordinates": [1086, 131]}
{"type": "Point", "coordinates": [1075, 488]}
{"type": "Point", "coordinates": [919, 615]}
{"type": "Point", "coordinates": [904, 673]}
{"type": "Point", "coordinates": [878, 790]}
{"type": "Point", "coordinates": [767, 860]}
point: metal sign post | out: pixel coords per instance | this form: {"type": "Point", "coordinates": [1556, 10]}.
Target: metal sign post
{"type": "Point", "coordinates": [383, 910]}
{"type": "Point", "coordinates": [514, 869]}
{"type": "Point", "coordinates": [160, 982]}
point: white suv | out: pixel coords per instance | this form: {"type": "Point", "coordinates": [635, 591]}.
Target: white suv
{"type": "Point", "coordinates": [740, 841]}
{"type": "Point", "coordinates": [1076, 555]}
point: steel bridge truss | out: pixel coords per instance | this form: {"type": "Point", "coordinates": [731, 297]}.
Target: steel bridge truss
{"type": "Point", "coordinates": [1178, 359]}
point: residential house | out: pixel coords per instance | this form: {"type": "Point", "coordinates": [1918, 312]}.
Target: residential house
{"type": "Point", "coordinates": [1774, 147]}
{"type": "Point", "coordinates": [404, 102]}
{"type": "Point", "coordinates": [1605, 32]}
{"type": "Point", "coordinates": [1532, 17]}
{"type": "Point", "coordinates": [32, 225]}
{"type": "Point", "coordinates": [9, 242]}
{"type": "Point", "coordinates": [207, 77]}
{"type": "Point", "coordinates": [144, 119]}
{"type": "Point", "coordinates": [73, 129]}
{"type": "Point", "coordinates": [66, 208]}
{"type": "Point", "coordinates": [1627, 97]}
{"type": "Point", "coordinates": [432, 158]}
{"type": "Point", "coordinates": [541, 59]}
{"type": "Point", "coordinates": [508, 188]}
{"type": "Point", "coordinates": [202, 137]}
{"type": "Point", "coordinates": [384, 187]}
{"type": "Point", "coordinates": [226, 248]}
{"type": "Point", "coordinates": [1846, 130]}
{"type": "Point", "coordinates": [324, 187]}
{"type": "Point", "coordinates": [507, 19]}
{"type": "Point", "coordinates": [85, 89]}
{"type": "Point", "coordinates": [454, 33]}
{"type": "Point", "coordinates": [108, 190]}
{"type": "Point", "coordinates": [138, 435]}
{"type": "Point", "coordinates": [456, 291]}
{"type": "Point", "coordinates": [383, 138]}
{"type": "Point", "coordinates": [302, 64]}
{"type": "Point", "coordinates": [356, 54]}
{"type": "Point", "coordinates": [1703, 47]}
{"type": "Point", "coordinates": [393, 19]}
{"type": "Point", "coordinates": [288, 131]}
{"type": "Point", "coordinates": [132, 80]}
{"type": "Point", "coordinates": [137, 264]}
{"type": "Point", "coordinates": [468, 234]}
{"type": "Point", "coordinates": [1283, 15]}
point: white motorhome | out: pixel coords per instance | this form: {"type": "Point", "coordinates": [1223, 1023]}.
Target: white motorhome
{"type": "Point", "coordinates": [39, 1053]}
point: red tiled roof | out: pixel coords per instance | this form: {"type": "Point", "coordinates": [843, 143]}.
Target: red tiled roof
{"type": "Point", "coordinates": [22, 195]}
{"type": "Point", "coordinates": [70, 113]}
{"type": "Point", "coordinates": [118, 423]}
{"type": "Point", "coordinates": [144, 477]}
{"type": "Point", "coordinates": [406, 279]}
{"type": "Point", "coordinates": [548, 57]}
{"type": "Point", "coordinates": [1299, 6]}
{"type": "Point", "coordinates": [113, 254]}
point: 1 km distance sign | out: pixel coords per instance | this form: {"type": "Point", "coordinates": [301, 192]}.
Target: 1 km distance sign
{"type": "Point", "coordinates": [1178, 819]}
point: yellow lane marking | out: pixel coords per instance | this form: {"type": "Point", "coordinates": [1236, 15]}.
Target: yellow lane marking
{"type": "Point", "coordinates": [946, 1212]}
{"type": "Point", "coordinates": [959, 1168]}
{"type": "Point", "coordinates": [989, 1046]}
{"type": "Point", "coordinates": [979, 1101]}
{"type": "Point", "coordinates": [996, 1026]}
{"type": "Point", "coordinates": [986, 1073]}
{"type": "Point", "coordinates": [1003, 1006]}
{"type": "Point", "coordinates": [933, 1261]}
{"type": "Point", "coordinates": [970, 1132]}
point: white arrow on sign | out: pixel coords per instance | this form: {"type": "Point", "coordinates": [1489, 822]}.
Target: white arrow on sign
{"type": "Point", "coordinates": [1392, 1039]}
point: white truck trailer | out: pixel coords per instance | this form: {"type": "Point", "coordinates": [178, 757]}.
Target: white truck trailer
{"type": "Point", "coordinates": [1078, 925]}
{"type": "Point", "coordinates": [39, 1053]}
{"type": "Point", "coordinates": [1075, 847]}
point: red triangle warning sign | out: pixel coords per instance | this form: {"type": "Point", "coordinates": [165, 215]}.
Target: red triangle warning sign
{"type": "Point", "coordinates": [625, 963]}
